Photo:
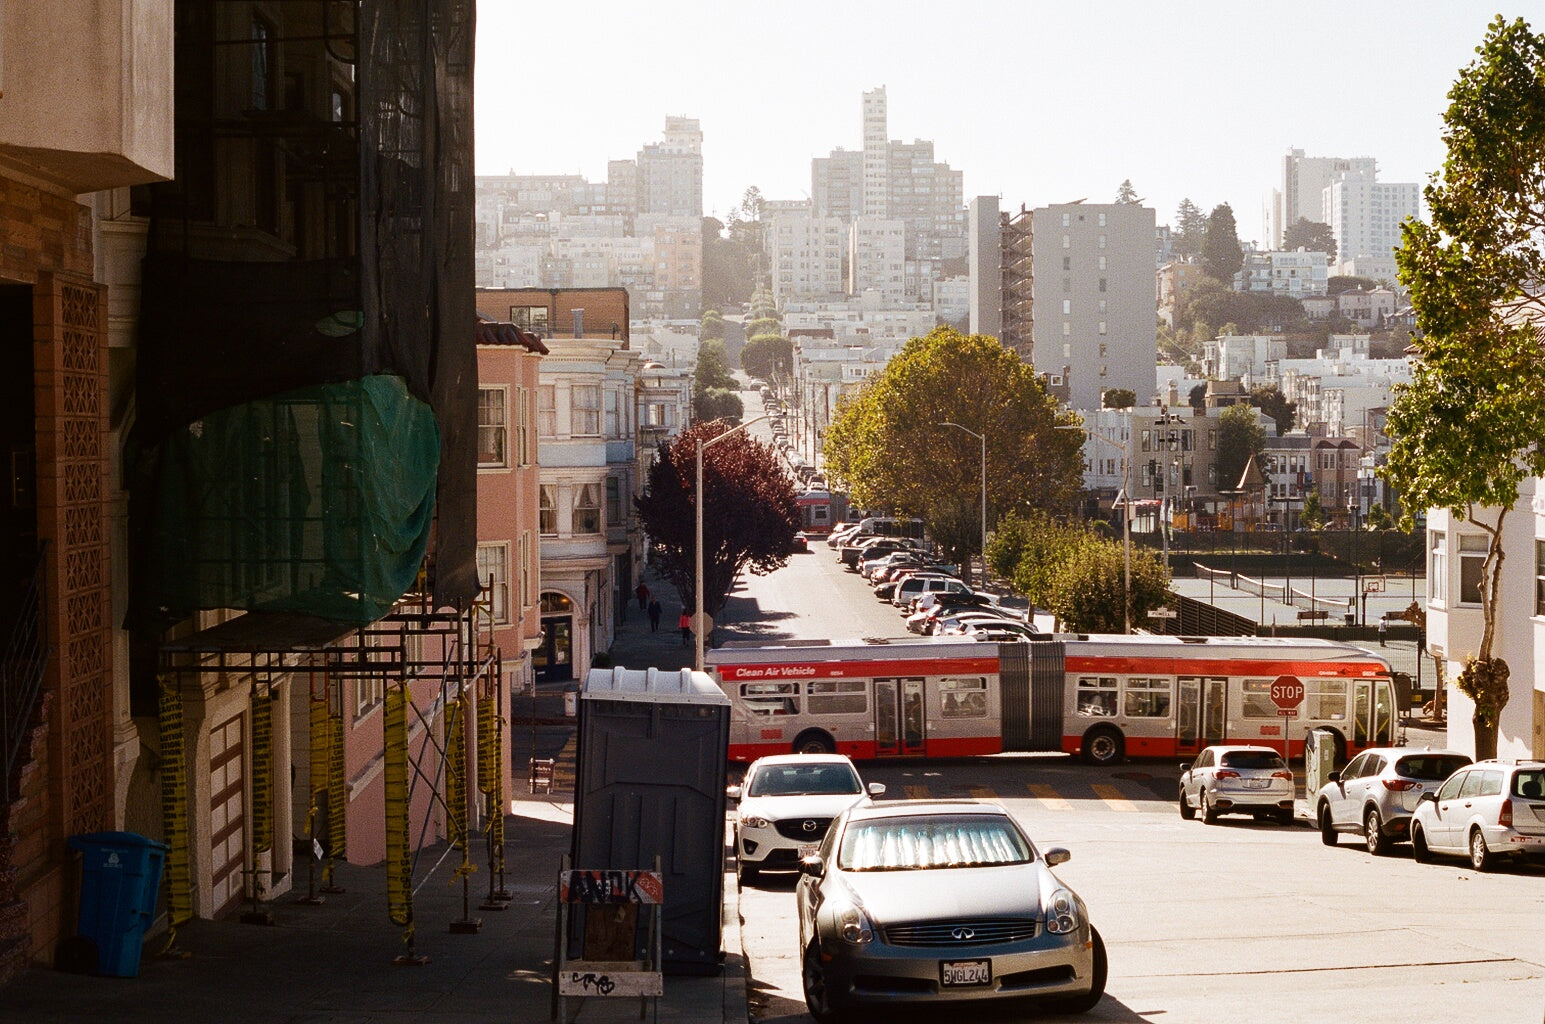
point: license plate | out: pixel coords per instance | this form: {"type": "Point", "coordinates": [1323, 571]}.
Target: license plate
{"type": "Point", "coordinates": [965, 972]}
{"type": "Point", "coordinates": [1257, 783]}
{"type": "Point", "coordinates": [808, 850]}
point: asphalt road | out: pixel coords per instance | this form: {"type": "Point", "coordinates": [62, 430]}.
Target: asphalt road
{"type": "Point", "coordinates": [1235, 922]}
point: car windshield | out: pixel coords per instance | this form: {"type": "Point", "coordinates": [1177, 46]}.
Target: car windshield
{"type": "Point", "coordinates": [1251, 759]}
{"type": "Point", "coordinates": [1529, 784]}
{"type": "Point", "coordinates": [932, 841]}
{"type": "Point", "coordinates": [804, 780]}
{"type": "Point", "coordinates": [1430, 767]}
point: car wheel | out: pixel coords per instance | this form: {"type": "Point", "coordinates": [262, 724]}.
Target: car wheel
{"type": "Point", "coordinates": [1103, 746]}
{"type": "Point", "coordinates": [1373, 834]}
{"type": "Point", "coordinates": [1419, 849]}
{"type": "Point", "coordinates": [1209, 815]}
{"type": "Point", "coordinates": [1327, 831]}
{"type": "Point", "coordinates": [1089, 1000]}
{"type": "Point", "coordinates": [814, 741]}
{"type": "Point", "coordinates": [1186, 810]}
{"type": "Point", "coordinates": [1481, 859]}
{"type": "Point", "coordinates": [817, 998]}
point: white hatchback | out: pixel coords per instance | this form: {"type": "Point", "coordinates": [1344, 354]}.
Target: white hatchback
{"type": "Point", "coordinates": [1487, 811]}
{"type": "Point", "coordinates": [786, 803]}
{"type": "Point", "coordinates": [1237, 780]}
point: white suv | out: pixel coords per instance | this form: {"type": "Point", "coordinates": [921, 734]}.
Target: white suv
{"type": "Point", "coordinates": [786, 803]}
{"type": "Point", "coordinates": [1374, 795]}
{"type": "Point", "coordinates": [1486, 811]}
{"type": "Point", "coordinates": [1237, 780]}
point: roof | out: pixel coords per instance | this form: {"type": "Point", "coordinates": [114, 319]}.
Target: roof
{"type": "Point", "coordinates": [493, 332]}
{"type": "Point", "coordinates": [652, 686]}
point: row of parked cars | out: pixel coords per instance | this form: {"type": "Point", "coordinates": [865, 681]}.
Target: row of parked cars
{"type": "Point", "coordinates": [1438, 800]}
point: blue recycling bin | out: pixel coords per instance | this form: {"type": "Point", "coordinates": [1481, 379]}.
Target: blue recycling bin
{"type": "Point", "coordinates": [120, 880]}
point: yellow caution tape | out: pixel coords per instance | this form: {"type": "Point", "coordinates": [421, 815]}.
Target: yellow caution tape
{"type": "Point", "coordinates": [174, 809]}
{"type": "Point", "coordinates": [262, 769]}
{"type": "Point", "coordinates": [399, 863]}
{"type": "Point", "coordinates": [337, 782]}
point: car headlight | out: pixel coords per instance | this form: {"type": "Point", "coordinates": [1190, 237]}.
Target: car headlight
{"type": "Point", "coordinates": [754, 821]}
{"type": "Point", "coordinates": [852, 925]}
{"type": "Point", "coordinates": [1061, 912]}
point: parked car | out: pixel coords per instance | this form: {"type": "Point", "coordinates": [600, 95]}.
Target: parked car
{"type": "Point", "coordinates": [1374, 795]}
{"type": "Point", "coordinates": [851, 554]}
{"type": "Point", "coordinates": [956, 623]}
{"type": "Point", "coordinates": [1237, 780]}
{"type": "Point", "coordinates": [786, 803]}
{"type": "Point", "coordinates": [918, 584]}
{"type": "Point", "coordinates": [922, 903]}
{"type": "Point", "coordinates": [801, 544]}
{"type": "Point", "coordinates": [1016, 630]}
{"type": "Point", "coordinates": [1488, 811]}
{"type": "Point", "coordinates": [840, 534]}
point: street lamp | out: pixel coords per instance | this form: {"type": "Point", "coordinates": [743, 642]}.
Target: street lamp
{"type": "Point", "coordinates": [1126, 513]}
{"type": "Point", "coordinates": [982, 438]}
{"type": "Point", "coordinates": [697, 502]}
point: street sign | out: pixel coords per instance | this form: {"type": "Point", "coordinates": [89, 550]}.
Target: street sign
{"type": "Point", "coordinates": [1287, 692]}
{"type": "Point", "coordinates": [1163, 613]}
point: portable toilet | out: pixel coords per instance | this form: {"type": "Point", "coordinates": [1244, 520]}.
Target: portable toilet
{"type": "Point", "coordinates": [650, 781]}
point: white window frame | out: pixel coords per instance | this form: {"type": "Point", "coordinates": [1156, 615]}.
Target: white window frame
{"type": "Point", "coordinates": [547, 510]}
{"type": "Point", "coordinates": [1472, 558]}
{"type": "Point", "coordinates": [587, 497]}
{"type": "Point", "coordinates": [1437, 567]}
{"type": "Point", "coordinates": [493, 427]}
{"type": "Point", "coordinates": [585, 410]}
{"type": "Point", "coordinates": [493, 570]}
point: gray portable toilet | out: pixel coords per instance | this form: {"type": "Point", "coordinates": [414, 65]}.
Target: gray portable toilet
{"type": "Point", "coordinates": [650, 781]}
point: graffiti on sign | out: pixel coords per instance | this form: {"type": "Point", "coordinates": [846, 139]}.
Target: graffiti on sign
{"type": "Point", "coordinates": [603, 885]}
{"type": "Point", "coordinates": [610, 983]}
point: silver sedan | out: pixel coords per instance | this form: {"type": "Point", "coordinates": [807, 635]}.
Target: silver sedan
{"type": "Point", "coordinates": [919, 903]}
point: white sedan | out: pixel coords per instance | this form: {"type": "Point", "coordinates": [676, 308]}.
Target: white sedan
{"type": "Point", "coordinates": [1237, 780]}
{"type": "Point", "coordinates": [786, 803]}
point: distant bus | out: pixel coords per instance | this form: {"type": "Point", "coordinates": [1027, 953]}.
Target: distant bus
{"type": "Point", "coordinates": [890, 526]}
{"type": "Point", "coordinates": [821, 510]}
{"type": "Point", "coordinates": [1104, 698]}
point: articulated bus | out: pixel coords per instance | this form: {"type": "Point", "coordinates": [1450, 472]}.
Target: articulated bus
{"type": "Point", "coordinates": [1102, 697]}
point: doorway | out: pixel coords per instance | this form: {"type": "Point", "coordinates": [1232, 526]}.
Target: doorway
{"type": "Point", "coordinates": [898, 718]}
{"type": "Point", "coordinates": [554, 659]}
{"type": "Point", "coordinates": [1201, 714]}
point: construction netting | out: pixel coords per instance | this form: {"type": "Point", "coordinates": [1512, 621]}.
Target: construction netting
{"type": "Point", "coordinates": [305, 415]}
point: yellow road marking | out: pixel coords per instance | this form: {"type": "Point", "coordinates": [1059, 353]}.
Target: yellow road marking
{"type": "Point", "coordinates": [915, 792]}
{"type": "Point", "coordinates": [982, 793]}
{"type": "Point", "coordinates": [1113, 797]}
{"type": "Point", "coordinates": [1048, 796]}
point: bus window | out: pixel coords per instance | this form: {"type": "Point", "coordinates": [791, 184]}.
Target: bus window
{"type": "Point", "coordinates": [1325, 699]}
{"type": "Point", "coordinates": [1148, 698]}
{"type": "Point", "coordinates": [1097, 696]}
{"type": "Point", "coordinates": [963, 698]}
{"type": "Point", "coordinates": [1257, 699]}
{"type": "Point", "coordinates": [837, 697]}
{"type": "Point", "coordinates": [770, 698]}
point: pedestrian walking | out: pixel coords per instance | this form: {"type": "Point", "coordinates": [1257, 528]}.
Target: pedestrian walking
{"type": "Point", "coordinates": [654, 615]}
{"type": "Point", "coordinates": [1383, 629]}
{"type": "Point", "coordinates": [642, 593]}
{"type": "Point", "coordinates": [685, 622]}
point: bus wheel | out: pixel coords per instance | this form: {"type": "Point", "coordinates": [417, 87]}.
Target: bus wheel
{"type": "Point", "coordinates": [1103, 745]}
{"type": "Point", "coordinates": [814, 741]}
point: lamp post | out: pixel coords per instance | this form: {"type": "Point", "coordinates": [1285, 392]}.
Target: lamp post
{"type": "Point", "coordinates": [1126, 513]}
{"type": "Point", "coordinates": [697, 503]}
{"type": "Point", "coordinates": [982, 438]}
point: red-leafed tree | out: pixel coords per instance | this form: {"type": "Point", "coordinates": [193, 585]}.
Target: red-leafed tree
{"type": "Point", "coordinates": [749, 513]}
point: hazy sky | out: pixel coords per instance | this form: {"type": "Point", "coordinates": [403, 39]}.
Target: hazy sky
{"type": "Point", "coordinates": [1036, 102]}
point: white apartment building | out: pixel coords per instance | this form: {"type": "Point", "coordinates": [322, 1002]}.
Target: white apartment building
{"type": "Point", "coordinates": [1239, 356]}
{"type": "Point", "coordinates": [877, 260]}
{"type": "Point", "coordinates": [670, 172]}
{"type": "Point", "coordinates": [952, 298]}
{"type": "Point", "coordinates": [1341, 390]}
{"type": "Point", "coordinates": [1092, 298]}
{"type": "Point", "coordinates": [804, 257]}
{"type": "Point", "coordinates": [1365, 216]}
{"type": "Point", "coordinates": [876, 185]}
{"type": "Point", "coordinates": [1304, 180]}
{"type": "Point", "coordinates": [864, 323]}
{"type": "Point", "coordinates": [1293, 274]}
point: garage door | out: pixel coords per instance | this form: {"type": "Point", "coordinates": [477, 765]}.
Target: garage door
{"type": "Point", "coordinates": [227, 817]}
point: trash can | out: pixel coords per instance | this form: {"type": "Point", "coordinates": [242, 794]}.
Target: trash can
{"type": "Point", "coordinates": [120, 881]}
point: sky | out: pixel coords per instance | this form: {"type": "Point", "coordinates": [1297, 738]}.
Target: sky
{"type": "Point", "coordinates": [1034, 101]}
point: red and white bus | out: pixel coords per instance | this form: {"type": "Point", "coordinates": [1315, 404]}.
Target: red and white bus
{"type": "Point", "coordinates": [1103, 697]}
{"type": "Point", "coordinates": [820, 510]}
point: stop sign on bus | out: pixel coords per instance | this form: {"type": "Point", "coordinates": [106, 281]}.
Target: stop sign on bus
{"type": "Point", "coordinates": [1287, 692]}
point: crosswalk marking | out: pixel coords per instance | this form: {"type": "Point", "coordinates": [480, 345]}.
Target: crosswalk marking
{"type": "Point", "coordinates": [915, 792]}
{"type": "Point", "coordinates": [1113, 797]}
{"type": "Point", "coordinates": [982, 793]}
{"type": "Point", "coordinates": [1049, 796]}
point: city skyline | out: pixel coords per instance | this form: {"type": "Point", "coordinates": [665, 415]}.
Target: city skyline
{"type": "Point", "coordinates": [1198, 110]}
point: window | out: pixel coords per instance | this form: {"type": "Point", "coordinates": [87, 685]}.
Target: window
{"type": "Point", "coordinates": [1102, 220]}
{"type": "Point", "coordinates": [613, 418]}
{"type": "Point", "coordinates": [1067, 219]}
{"type": "Point", "coordinates": [963, 698]}
{"type": "Point", "coordinates": [1102, 242]}
{"type": "Point", "coordinates": [263, 65]}
{"type": "Point", "coordinates": [491, 424]}
{"type": "Point", "coordinates": [587, 509]}
{"type": "Point", "coordinates": [1067, 243]}
{"type": "Point", "coordinates": [1437, 568]}
{"type": "Point", "coordinates": [547, 410]}
{"type": "Point", "coordinates": [613, 501]}
{"type": "Point", "coordinates": [1257, 699]}
{"type": "Point", "coordinates": [522, 436]}
{"type": "Point", "coordinates": [837, 697]}
{"type": "Point", "coordinates": [1472, 558]}
{"type": "Point", "coordinates": [586, 400]}
{"type": "Point", "coordinates": [1067, 263]}
{"type": "Point", "coordinates": [1102, 284]}
{"type": "Point", "coordinates": [527, 570]}
{"type": "Point", "coordinates": [493, 572]}
{"type": "Point", "coordinates": [1102, 262]}
{"type": "Point", "coordinates": [1539, 577]}
{"type": "Point", "coordinates": [1102, 331]}
{"type": "Point", "coordinates": [1097, 696]}
{"type": "Point", "coordinates": [1067, 307]}
{"type": "Point", "coordinates": [547, 514]}
{"type": "Point", "coordinates": [770, 698]}
{"type": "Point", "coordinates": [1148, 698]}
{"type": "Point", "coordinates": [532, 318]}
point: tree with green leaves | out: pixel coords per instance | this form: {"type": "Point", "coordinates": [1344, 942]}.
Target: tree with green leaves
{"type": "Point", "coordinates": [887, 446]}
{"type": "Point", "coordinates": [1126, 195]}
{"type": "Point", "coordinates": [1119, 398]}
{"type": "Point", "coordinates": [1312, 516]}
{"type": "Point", "coordinates": [750, 515]}
{"type": "Point", "coordinates": [711, 327]}
{"type": "Point", "coordinates": [1467, 427]}
{"type": "Point", "coordinates": [1221, 254]}
{"type": "Point", "coordinates": [1197, 399]}
{"type": "Point", "coordinates": [1190, 230]}
{"type": "Point", "coordinates": [1311, 236]}
{"type": "Point", "coordinates": [1089, 589]}
{"type": "Point", "coordinates": [713, 365]}
{"type": "Point", "coordinates": [767, 357]}
{"type": "Point", "coordinates": [713, 386]}
{"type": "Point", "coordinates": [1240, 439]}
{"type": "Point", "coordinates": [1270, 400]}
{"type": "Point", "coordinates": [730, 265]}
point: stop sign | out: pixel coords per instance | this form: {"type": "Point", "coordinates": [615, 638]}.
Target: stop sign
{"type": "Point", "coordinates": [1287, 692]}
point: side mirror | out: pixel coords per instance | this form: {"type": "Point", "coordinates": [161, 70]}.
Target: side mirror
{"type": "Point", "coordinates": [1427, 796]}
{"type": "Point", "coordinates": [1333, 777]}
{"type": "Point", "coordinates": [1185, 766]}
{"type": "Point", "coordinates": [732, 792]}
{"type": "Point", "coordinates": [877, 789]}
{"type": "Point", "coordinates": [812, 866]}
{"type": "Point", "coordinates": [1056, 855]}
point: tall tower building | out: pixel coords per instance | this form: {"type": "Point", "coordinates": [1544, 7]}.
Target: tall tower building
{"type": "Point", "coordinates": [670, 172]}
{"type": "Point", "coordinates": [985, 265]}
{"type": "Point", "coordinates": [876, 156]}
{"type": "Point", "coordinates": [1304, 180]}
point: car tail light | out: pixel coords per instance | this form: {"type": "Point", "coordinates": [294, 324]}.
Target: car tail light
{"type": "Point", "coordinates": [1505, 815]}
{"type": "Point", "coordinates": [1226, 774]}
{"type": "Point", "coordinates": [1400, 785]}
{"type": "Point", "coordinates": [1283, 775]}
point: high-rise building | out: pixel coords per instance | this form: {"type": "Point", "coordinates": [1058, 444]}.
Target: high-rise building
{"type": "Point", "coordinates": [876, 156]}
{"type": "Point", "coordinates": [1365, 216]}
{"type": "Point", "coordinates": [1093, 304]}
{"type": "Point", "coordinates": [804, 256]}
{"type": "Point", "coordinates": [877, 259]}
{"type": "Point", "coordinates": [670, 172]}
{"type": "Point", "coordinates": [1304, 179]}
{"type": "Point", "coordinates": [985, 266]}
{"type": "Point", "coordinates": [837, 184]}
